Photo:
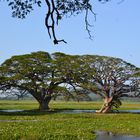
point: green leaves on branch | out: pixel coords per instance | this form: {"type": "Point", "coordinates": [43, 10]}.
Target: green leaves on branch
{"type": "Point", "coordinates": [20, 8]}
{"type": "Point", "coordinates": [56, 10]}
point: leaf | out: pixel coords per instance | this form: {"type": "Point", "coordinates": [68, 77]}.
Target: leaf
{"type": "Point", "coordinates": [11, 3]}
{"type": "Point", "coordinates": [39, 3]}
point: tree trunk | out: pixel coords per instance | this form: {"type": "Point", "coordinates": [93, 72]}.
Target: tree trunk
{"type": "Point", "coordinates": [106, 107]}
{"type": "Point", "coordinates": [44, 103]}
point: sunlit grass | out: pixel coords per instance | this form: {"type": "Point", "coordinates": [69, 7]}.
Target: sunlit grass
{"type": "Point", "coordinates": [32, 104]}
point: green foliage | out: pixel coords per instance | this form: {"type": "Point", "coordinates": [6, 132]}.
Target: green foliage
{"type": "Point", "coordinates": [22, 8]}
{"type": "Point", "coordinates": [56, 10]}
{"type": "Point", "coordinates": [45, 75]}
{"type": "Point", "coordinates": [136, 74]}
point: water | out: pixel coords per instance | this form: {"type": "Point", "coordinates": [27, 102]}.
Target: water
{"type": "Point", "coordinates": [101, 135]}
{"type": "Point", "coordinates": [129, 111]}
{"type": "Point", "coordinates": [93, 111]}
{"type": "Point", "coordinates": [18, 120]}
{"type": "Point", "coordinates": [77, 111]}
{"type": "Point", "coordinates": [12, 110]}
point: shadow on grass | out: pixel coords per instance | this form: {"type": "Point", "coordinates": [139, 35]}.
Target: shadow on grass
{"type": "Point", "coordinates": [32, 112]}
{"type": "Point", "coordinates": [26, 112]}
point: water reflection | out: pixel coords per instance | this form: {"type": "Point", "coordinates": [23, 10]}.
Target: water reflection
{"type": "Point", "coordinates": [19, 120]}
{"type": "Point", "coordinates": [101, 135]}
{"type": "Point", "coordinates": [76, 111]}
{"type": "Point", "coordinates": [12, 110]}
{"type": "Point", "coordinates": [93, 111]}
{"type": "Point", "coordinates": [129, 111]}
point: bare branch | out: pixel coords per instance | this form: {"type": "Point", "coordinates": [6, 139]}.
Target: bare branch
{"type": "Point", "coordinates": [50, 16]}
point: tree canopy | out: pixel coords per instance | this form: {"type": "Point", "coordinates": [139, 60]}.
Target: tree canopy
{"type": "Point", "coordinates": [56, 10]}
{"type": "Point", "coordinates": [45, 75]}
{"type": "Point", "coordinates": [111, 80]}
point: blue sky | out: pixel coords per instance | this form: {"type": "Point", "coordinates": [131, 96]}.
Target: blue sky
{"type": "Point", "coordinates": [116, 32]}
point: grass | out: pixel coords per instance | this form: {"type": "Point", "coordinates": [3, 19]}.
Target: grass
{"type": "Point", "coordinates": [35, 125]}
{"type": "Point", "coordinates": [32, 104]}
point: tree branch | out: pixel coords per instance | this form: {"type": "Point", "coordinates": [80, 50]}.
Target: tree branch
{"type": "Point", "coordinates": [50, 17]}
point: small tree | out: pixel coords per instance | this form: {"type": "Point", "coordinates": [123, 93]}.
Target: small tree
{"type": "Point", "coordinates": [16, 94]}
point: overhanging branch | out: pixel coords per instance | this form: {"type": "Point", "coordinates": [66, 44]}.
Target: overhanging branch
{"type": "Point", "coordinates": [50, 17]}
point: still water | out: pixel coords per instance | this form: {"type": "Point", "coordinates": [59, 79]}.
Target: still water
{"type": "Point", "coordinates": [101, 135]}
{"type": "Point", "coordinates": [93, 111]}
{"type": "Point", "coordinates": [77, 111]}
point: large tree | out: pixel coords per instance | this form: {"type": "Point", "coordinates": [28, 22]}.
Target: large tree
{"type": "Point", "coordinates": [45, 76]}
{"type": "Point", "coordinates": [108, 77]}
{"type": "Point", "coordinates": [56, 10]}
{"type": "Point", "coordinates": [33, 73]}
{"type": "Point", "coordinates": [111, 80]}
{"type": "Point", "coordinates": [40, 74]}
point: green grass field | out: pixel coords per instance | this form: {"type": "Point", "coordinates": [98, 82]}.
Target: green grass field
{"type": "Point", "coordinates": [33, 125]}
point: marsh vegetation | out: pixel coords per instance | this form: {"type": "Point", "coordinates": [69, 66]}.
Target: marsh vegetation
{"type": "Point", "coordinates": [50, 125]}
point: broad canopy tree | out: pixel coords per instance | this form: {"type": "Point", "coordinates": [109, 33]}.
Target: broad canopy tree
{"type": "Point", "coordinates": [43, 76]}
{"type": "Point", "coordinates": [108, 77]}
{"type": "Point", "coordinates": [56, 10]}
{"type": "Point", "coordinates": [112, 80]}
{"type": "Point", "coordinates": [32, 73]}
{"type": "Point", "coordinates": [40, 74]}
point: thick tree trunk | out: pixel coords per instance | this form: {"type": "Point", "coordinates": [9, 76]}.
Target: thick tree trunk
{"type": "Point", "coordinates": [44, 103]}
{"type": "Point", "coordinates": [106, 107]}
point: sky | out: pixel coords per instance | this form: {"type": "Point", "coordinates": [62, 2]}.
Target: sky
{"type": "Point", "coordinates": [116, 32]}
